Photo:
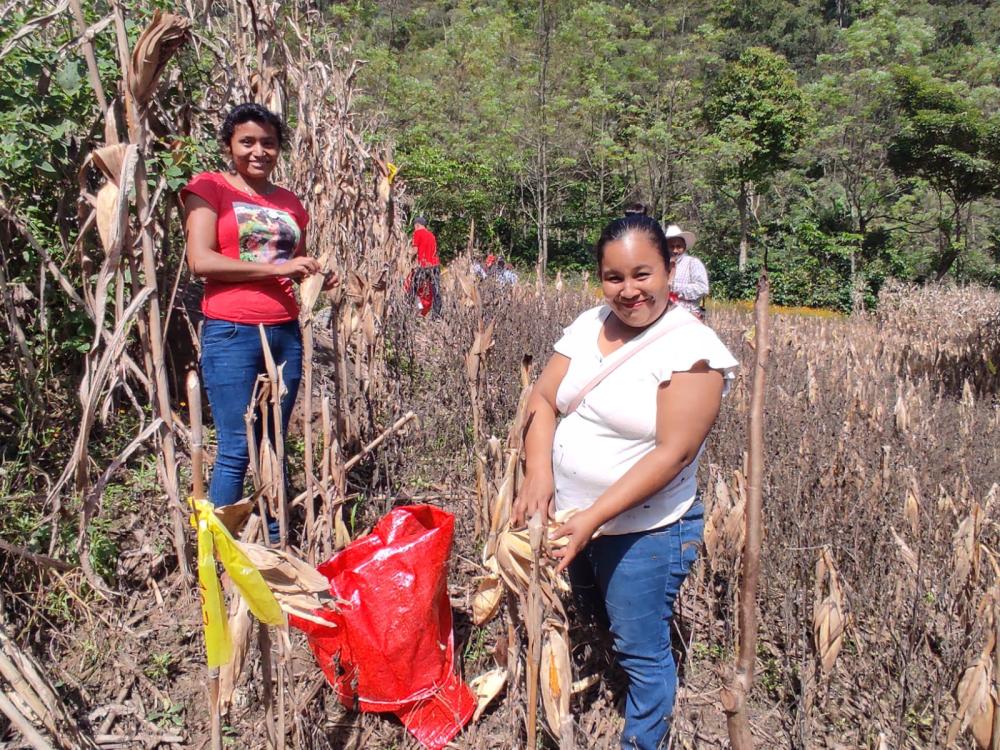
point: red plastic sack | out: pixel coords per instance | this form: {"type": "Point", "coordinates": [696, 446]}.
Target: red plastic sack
{"type": "Point", "coordinates": [391, 646]}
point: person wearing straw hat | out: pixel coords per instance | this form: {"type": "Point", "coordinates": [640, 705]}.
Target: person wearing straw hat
{"type": "Point", "coordinates": [690, 277]}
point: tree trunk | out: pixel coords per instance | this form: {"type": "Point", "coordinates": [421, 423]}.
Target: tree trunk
{"type": "Point", "coordinates": [542, 202]}
{"type": "Point", "coordinates": [952, 246]}
{"type": "Point", "coordinates": [743, 204]}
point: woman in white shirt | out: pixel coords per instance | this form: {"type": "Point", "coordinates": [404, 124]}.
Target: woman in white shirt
{"type": "Point", "coordinates": [625, 457]}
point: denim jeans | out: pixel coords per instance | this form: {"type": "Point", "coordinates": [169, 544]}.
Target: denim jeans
{"type": "Point", "coordinates": [630, 582]}
{"type": "Point", "coordinates": [232, 356]}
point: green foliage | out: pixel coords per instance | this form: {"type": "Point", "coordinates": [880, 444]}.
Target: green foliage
{"type": "Point", "coordinates": [757, 116]}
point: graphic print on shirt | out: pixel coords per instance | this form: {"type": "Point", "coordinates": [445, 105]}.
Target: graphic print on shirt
{"type": "Point", "coordinates": [267, 235]}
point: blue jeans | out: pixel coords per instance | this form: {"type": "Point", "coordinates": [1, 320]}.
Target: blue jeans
{"type": "Point", "coordinates": [630, 582]}
{"type": "Point", "coordinates": [232, 356]}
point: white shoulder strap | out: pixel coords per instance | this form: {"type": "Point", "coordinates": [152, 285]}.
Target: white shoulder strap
{"type": "Point", "coordinates": [603, 373]}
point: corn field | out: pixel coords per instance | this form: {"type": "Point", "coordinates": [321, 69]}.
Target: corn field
{"type": "Point", "coordinates": [880, 589]}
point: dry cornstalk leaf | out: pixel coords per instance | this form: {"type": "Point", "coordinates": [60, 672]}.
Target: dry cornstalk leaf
{"type": "Point", "coordinates": [234, 516]}
{"type": "Point", "coordinates": [110, 159]}
{"type": "Point", "coordinates": [165, 34]}
{"type": "Point", "coordinates": [487, 686]}
{"type": "Point", "coordinates": [976, 701]}
{"type": "Point", "coordinates": [285, 572]}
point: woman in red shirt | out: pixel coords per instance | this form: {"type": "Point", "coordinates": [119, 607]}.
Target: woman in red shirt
{"type": "Point", "coordinates": [246, 237]}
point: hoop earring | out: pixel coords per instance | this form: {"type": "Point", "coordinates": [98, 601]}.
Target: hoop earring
{"type": "Point", "coordinates": [232, 167]}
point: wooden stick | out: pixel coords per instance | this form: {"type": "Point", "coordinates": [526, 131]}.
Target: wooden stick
{"type": "Point", "coordinates": [198, 492]}
{"type": "Point", "coordinates": [22, 725]}
{"type": "Point", "coordinates": [41, 560]}
{"type": "Point", "coordinates": [264, 642]}
{"type": "Point", "coordinates": [307, 431]}
{"type": "Point", "coordinates": [534, 613]}
{"type": "Point", "coordinates": [739, 681]}
{"type": "Point", "coordinates": [397, 425]}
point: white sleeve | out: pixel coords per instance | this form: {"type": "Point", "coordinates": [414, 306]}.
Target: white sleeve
{"type": "Point", "coordinates": [693, 344]}
{"type": "Point", "coordinates": [568, 343]}
{"type": "Point", "coordinates": [695, 286]}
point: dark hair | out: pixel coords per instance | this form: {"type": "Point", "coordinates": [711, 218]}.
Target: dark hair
{"type": "Point", "coordinates": [635, 208]}
{"type": "Point", "coordinates": [252, 112]}
{"type": "Point", "coordinates": [633, 223]}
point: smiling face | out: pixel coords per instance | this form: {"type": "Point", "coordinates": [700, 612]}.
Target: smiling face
{"type": "Point", "coordinates": [635, 279]}
{"type": "Point", "coordinates": [254, 148]}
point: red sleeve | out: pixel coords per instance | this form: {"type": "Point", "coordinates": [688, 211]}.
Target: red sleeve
{"type": "Point", "coordinates": [206, 187]}
{"type": "Point", "coordinates": [300, 213]}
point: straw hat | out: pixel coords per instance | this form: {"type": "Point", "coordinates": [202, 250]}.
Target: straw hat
{"type": "Point", "coordinates": [675, 231]}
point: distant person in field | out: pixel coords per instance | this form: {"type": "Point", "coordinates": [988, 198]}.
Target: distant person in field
{"type": "Point", "coordinates": [633, 209]}
{"type": "Point", "coordinates": [425, 281]}
{"type": "Point", "coordinates": [507, 276]}
{"type": "Point", "coordinates": [246, 237]}
{"type": "Point", "coordinates": [690, 276]}
{"type": "Point", "coordinates": [616, 424]}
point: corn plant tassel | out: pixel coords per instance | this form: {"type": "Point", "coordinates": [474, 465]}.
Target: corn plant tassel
{"type": "Point", "coordinates": [740, 679]}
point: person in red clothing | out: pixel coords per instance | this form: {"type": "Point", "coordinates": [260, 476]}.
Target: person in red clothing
{"type": "Point", "coordinates": [426, 279]}
{"type": "Point", "coordinates": [246, 237]}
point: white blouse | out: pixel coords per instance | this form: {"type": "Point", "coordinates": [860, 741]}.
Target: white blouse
{"type": "Point", "coordinates": [615, 425]}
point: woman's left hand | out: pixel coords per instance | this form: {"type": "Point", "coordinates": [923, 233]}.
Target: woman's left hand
{"type": "Point", "coordinates": [330, 281]}
{"type": "Point", "coordinates": [577, 532]}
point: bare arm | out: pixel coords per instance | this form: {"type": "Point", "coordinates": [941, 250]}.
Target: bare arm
{"type": "Point", "coordinates": [536, 491]}
{"type": "Point", "coordinates": [686, 409]}
{"type": "Point", "coordinates": [205, 260]}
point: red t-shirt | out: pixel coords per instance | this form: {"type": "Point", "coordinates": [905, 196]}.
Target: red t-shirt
{"type": "Point", "coordinates": [255, 228]}
{"type": "Point", "coordinates": [427, 247]}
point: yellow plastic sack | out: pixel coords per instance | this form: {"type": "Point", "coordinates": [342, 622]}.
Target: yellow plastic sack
{"type": "Point", "coordinates": [214, 537]}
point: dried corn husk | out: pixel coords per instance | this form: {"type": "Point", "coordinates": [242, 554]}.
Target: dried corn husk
{"type": "Point", "coordinates": [240, 630]}
{"type": "Point", "coordinates": [107, 202]}
{"type": "Point", "coordinates": [487, 599]}
{"type": "Point", "coordinates": [965, 545]}
{"type": "Point", "coordinates": [557, 680]}
{"type": "Point", "coordinates": [310, 288]}
{"type": "Point", "coordinates": [829, 618]}
{"type": "Point", "coordinates": [154, 48]}
{"type": "Point", "coordinates": [299, 588]}
{"type": "Point", "coordinates": [487, 686]}
{"type": "Point", "coordinates": [911, 510]}
{"type": "Point", "coordinates": [908, 555]}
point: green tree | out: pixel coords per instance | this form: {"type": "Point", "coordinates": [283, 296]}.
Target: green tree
{"type": "Point", "coordinates": [950, 145]}
{"type": "Point", "coordinates": [757, 116]}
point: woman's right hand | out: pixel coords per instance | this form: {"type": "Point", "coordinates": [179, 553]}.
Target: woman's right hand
{"type": "Point", "coordinates": [297, 268]}
{"type": "Point", "coordinates": [535, 496]}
